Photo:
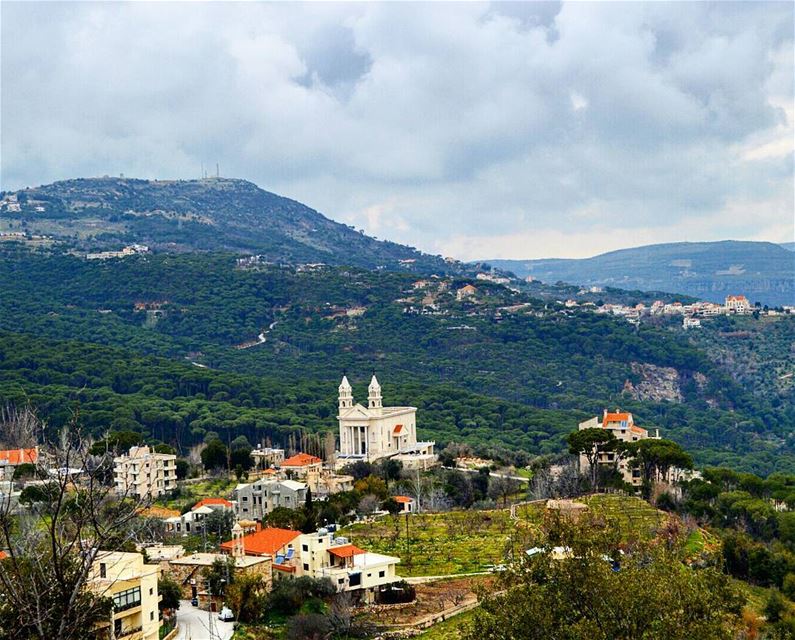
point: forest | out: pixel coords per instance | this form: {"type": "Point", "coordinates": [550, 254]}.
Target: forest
{"type": "Point", "coordinates": [148, 343]}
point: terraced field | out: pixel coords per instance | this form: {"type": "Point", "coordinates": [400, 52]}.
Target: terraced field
{"type": "Point", "coordinates": [443, 544]}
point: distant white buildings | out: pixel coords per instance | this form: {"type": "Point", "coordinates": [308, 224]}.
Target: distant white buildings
{"type": "Point", "coordinates": [688, 322]}
{"type": "Point", "coordinates": [144, 474]}
{"type": "Point", "coordinates": [375, 432]}
{"type": "Point", "coordinates": [129, 250]}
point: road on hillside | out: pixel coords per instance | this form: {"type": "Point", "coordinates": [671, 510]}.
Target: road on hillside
{"type": "Point", "coordinates": [195, 624]}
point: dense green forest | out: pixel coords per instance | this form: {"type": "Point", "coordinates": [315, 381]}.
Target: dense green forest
{"type": "Point", "coordinates": [498, 366]}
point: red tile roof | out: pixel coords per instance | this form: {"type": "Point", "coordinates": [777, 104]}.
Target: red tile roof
{"type": "Point", "coordinates": [403, 499]}
{"type": "Point", "coordinates": [3, 555]}
{"type": "Point", "coordinates": [346, 551]}
{"type": "Point", "coordinates": [206, 502]}
{"type": "Point", "coordinates": [301, 460]}
{"type": "Point", "coordinates": [398, 428]}
{"type": "Point", "coordinates": [264, 543]}
{"type": "Point", "coordinates": [616, 417]}
{"type": "Point", "coordinates": [19, 456]}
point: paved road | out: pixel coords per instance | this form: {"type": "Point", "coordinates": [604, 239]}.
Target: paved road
{"type": "Point", "coordinates": [194, 624]}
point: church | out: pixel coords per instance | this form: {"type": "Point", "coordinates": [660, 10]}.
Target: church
{"type": "Point", "coordinates": [375, 432]}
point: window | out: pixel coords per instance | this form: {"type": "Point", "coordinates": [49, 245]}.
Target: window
{"type": "Point", "coordinates": [151, 615]}
{"type": "Point", "coordinates": [306, 567]}
{"type": "Point", "coordinates": [103, 570]}
{"type": "Point", "coordinates": [151, 591]}
{"type": "Point", "coordinates": [381, 574]}
{"type": "Point", "coordinates": [304, 547]}
{"type": "Point", "coordinates": [127, 599]}
{"type": "Point", "coordinates": [341, 581]}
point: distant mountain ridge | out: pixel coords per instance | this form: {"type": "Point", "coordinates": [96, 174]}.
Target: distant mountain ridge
{"type": "Point", "coordinates": [218, 214]}
{"type": "Point", "coordinates": [763, 271]}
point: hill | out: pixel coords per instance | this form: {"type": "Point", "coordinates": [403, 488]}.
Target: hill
{"type": "Point", "coordinates": [763, 271]}
{"type": "Point", "coordinates": [530, 368]}
{"type": "Point", "coordinates": [788, 245]}
{"type": "Point", "coordinates": [213, 214]}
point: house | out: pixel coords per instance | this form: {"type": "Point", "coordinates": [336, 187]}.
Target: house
{"type": "Point", "coordinates": [467, 291]}
{"type": "Point", "coordinates": [737, 304]}
{"type": "Point", "coordinates": [622, 426]}
{"type": "Point", "coordinates": [322, 554]}
{"type": "Point", "coordinates": [144, 474]}
{"type": "Point", "coordinates": [188, 571]}
{"type": "Point", "coordinates": [193, 521]}
{"type": "Point", "coordinates": [688, 322]}
{"type": "Point", "coordinates": [301, 465]}
{"type": "Point", "coordinates": [133, 587]}
{"type": "Point", "coordinates": [267, 457]}
{"type": "Point", "coordinates": [257, 499]}
{"type": "Point", "coordinates": [407, 505]}
{"type": "Point", "coordinates": [375, 432]}
{"type": "Point", "coordinates": [10, 459]}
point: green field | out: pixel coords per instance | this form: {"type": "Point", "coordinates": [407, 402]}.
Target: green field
{"type": "Point", "coordinates": [450, 629]}
{"type": "Point", "coordinates": [442, 544]}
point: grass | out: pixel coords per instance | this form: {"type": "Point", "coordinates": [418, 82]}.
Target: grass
{"type": "Point", "coordinates": [214, 488]}
{"type": "Point", "coordinates": [634, 516]}
{"type": "Point", "coordinates": [442, 544]}
{"type": "Point", "coordinates": [450, 629]}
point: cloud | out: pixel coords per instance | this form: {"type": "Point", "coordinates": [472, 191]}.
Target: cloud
{"type": "Point", "coordinates": [479, 130]}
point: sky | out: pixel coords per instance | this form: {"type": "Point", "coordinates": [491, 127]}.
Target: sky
{"type": "Point", "coordinates": [474, 130]}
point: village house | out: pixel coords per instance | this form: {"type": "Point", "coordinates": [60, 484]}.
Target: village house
{"type": "Point", "coordinates": [10, 459]}
{"type": "Point", "coordinates": [376, 432]}
{"type": "Point", "coordinates": [193, 521]}
{"type": "Point", "coordinates": [257, 499]}
{"type": "Point", "coordinates": [622, 426]}
{"type": "Point", "coordinates": [144, 474]}
{"type": "Point", "coordinates": [132, 585]}
{"type": "Point", "coordinates": [737, 304]}
{"type": "Point", "coordinates": [467, 291]}
{"type": "Point", "coordinates": [407, 505]}
{"type": "Point", "coordinates": [322, 554]}
{"type": "Point", "coordinates": [265, 458]}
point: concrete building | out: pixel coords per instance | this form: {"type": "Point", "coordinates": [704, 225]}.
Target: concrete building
{"type": "Point", "coordinates": [267, 457]}
{"type": "Point", "coordinates": [193, 521]}
{"type": "Point", "coordinates": [737, 304]}
{"type": "Point", "coordinates": [145, 474]}
{"type": "Point", "coordinates": [133, 587]}
{"type": "Point", "coordinates": [622, 426]}
{"type": "Point", "coordinates": [375, 432]}
{"type": "Point", "coordinates": [322, 554]}
{"type": "Point", "coordinates": [255, 500]}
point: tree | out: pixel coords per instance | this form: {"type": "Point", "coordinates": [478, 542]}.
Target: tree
{"type": "Point", "coordinates": [214, 455]}
{"type": "Point", "coordinates": [247, 596]}
{"type": "Point", "coordinates": [46, 590]}
{"type": "Point", "coordinates": [170, 593]}
{"type": "Point", "coordinates": [503, 487]}
{"type": "Point", "coordinates": [591, 443]}
{"type": "Point", "coordinates": [583, 594]}
{"type": "Point", "coordinates": [183, 467]}
{"type": "Point", "coordinates": [219, 575]}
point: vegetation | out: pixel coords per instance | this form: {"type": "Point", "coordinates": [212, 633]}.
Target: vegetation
{"type": "Point", "coordinates": [548, 367]}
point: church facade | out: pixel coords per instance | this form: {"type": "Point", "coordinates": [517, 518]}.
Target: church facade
{"type": "Point", "coordinates": [376, 432]}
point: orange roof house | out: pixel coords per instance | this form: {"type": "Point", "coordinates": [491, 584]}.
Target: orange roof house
{"type": "Point", "coordinates": [267, 542]}
{"type": "Point", "coordinates": [403, 500]}
{"type": "Point", "coordinates": [210, 502]}
{"type": "Point", "coordinates": [301, 460]}
{"type": "Point", "coordinates": [14, 457]}
{"type": "Point", "coordinates": [346, 551]}
{"type": "Point", "coordinates": [3, 555]}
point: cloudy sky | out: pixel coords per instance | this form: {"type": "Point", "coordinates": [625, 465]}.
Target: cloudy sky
{"type": "Point", "coordinates": [503, 130]}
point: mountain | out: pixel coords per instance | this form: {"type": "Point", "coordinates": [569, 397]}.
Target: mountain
{"type": "Point", "coordinates": [763, 271]}
{"type": "Point", "coordinates": [788, 245]}
{"type": "Point", "coordinates": [219, 214]}
{"type": "Point", "coordinates": [496, 368]}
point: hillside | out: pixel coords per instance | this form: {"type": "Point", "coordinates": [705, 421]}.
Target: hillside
{"type": "Point", "coordinates": [763, 271]}
{"type": "Point", "coordinates": [198, 215]}
{"type": "Point", "coordinates": [521, 353]}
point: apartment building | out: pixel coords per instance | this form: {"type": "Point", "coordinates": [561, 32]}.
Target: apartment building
{"type": "Point", "coordinates": [145, 474]}
{"type": "Point", "coordinates": [132, 585]}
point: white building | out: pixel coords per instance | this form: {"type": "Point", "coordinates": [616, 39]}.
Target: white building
{"type": "Point", "coordinates": [375, 432]}
{"type": "Point", "coordinates": [738, 304]}
{"type": "Point", "coordinates": [144, 474]}
{"type": "Point", "coordinates": [689, 322]}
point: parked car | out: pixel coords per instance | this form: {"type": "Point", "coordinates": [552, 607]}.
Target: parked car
{"type": "Point", "coordinates": [226, 614]}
